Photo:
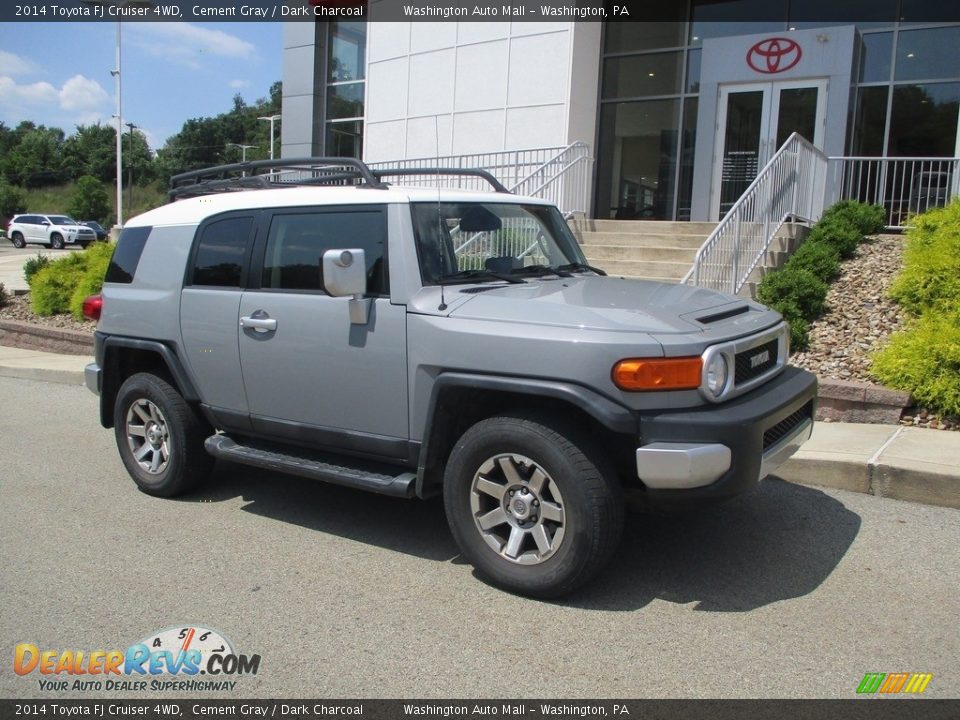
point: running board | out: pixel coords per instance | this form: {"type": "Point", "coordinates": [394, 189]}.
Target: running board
{"type": "Point", "coordinates": [336, 469]}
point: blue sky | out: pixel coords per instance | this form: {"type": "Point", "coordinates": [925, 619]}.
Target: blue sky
{"type": "Point", "coordinates": [58, 74]}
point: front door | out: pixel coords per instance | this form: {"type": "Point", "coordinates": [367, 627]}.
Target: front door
{"type": "Point", "coordinates": [310, 375]}
{"type": "Point", "coordinates": [753, 121]}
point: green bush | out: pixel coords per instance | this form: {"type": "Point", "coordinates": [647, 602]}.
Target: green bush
{"type": "Point", "coordinates": [867, 219]}
{"type": "Point", "coordinates": [32, 266]}
{"type": "Point", "coordinates": [838, 232]}
{"type": "Point", "coordinates": [924, 360]}
{"type": "Point", "coordinates": [3, 295]}
{"type": "Point", "coordinates": [930, 279]}
{"type": "Point", "coordinates": [54, 287]}
{"type": "Point", "coordinates": [89, 200]}
{"type": "Point", "coordinates": [98, 259]}
{"type": "Point", "coordinates": [820, 259]}
{"type": "Point", "coordinates": [793, 287]}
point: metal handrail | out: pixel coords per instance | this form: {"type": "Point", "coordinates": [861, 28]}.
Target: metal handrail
{"type": "Point", "coordinates": [789, 187]}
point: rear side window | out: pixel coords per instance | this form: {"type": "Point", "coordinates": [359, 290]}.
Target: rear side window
{"type": "Point", "coordinates": [222, 252]}
{"type": "Point", "coordinates": [297, 242]}
{"type": "Point", "coordinates": [126, 256]}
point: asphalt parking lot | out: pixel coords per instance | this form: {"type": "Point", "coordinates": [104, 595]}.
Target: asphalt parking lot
{"type": "Point", "coordinates": [788, 591]}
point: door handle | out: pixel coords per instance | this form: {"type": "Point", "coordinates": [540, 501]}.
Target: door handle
{"type": "Point", "coordinates": [260, 324]}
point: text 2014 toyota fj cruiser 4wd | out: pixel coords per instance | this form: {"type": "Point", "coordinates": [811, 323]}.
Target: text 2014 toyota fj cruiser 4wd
{"type": "Point", "coordinates": [412, 341]}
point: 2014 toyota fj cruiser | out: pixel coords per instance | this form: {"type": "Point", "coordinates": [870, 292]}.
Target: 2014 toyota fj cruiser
{"type": "Point", "coordinates": [413, 341]}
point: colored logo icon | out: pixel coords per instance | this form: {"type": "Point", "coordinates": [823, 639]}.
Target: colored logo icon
{"type": "Point", "coordinates": [774, 55]}
{"type": "Point", "coordinates": [894, 683]}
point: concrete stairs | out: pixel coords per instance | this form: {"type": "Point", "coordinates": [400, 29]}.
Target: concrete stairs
{"type": "Point", "coordinates": [664, 250]}
{"type": "Point", "coordinates": [649, 249]}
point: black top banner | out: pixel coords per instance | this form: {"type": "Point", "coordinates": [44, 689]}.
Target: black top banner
{"type": "Point", "coordinates": [457, 10]}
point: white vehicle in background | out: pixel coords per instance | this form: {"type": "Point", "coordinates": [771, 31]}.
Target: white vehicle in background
{"type": "Point", "coordinates": [55, 231]}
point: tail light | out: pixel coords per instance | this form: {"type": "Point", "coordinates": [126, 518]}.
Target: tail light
{"type": "Point", "coordinates": [92, 307]}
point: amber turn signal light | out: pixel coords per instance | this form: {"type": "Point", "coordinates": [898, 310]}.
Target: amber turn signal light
{"type": "Point", "coordinates": [658, 373]}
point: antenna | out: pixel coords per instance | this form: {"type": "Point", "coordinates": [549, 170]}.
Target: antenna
{"type": "Point", "coordinates": [436, 139]}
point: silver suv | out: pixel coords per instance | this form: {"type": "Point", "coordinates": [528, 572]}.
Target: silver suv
{"type": "Point", "coordinates": [56, 231]}
{"type": "Point", "coordinates": [412, 342]}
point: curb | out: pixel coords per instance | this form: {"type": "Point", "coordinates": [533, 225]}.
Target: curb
{"type": "Point", "coordinates": [62, 377]}
{"type": "Point", "coordinates": [61, 341]}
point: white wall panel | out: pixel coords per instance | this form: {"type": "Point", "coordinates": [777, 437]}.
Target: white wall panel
{"type": "Point", "coordinates": [387, 90]}
{"type": "Point", "coordinates": [482, 76]}
{"type": "Point", "coordinates": [429, 136]}
{"type": "Point", "coordinates": [427, 36]}
{"type": "Point", "coordinates": [387, 40]}
{"type": "Point", "coordinates": [431, 83]}
{"type": "Point", "coordinates": [538, 69]}
{"type": "Point", "coordinates": [478, 132]}
{"type": "Point", "coordinates": [534, 127]}
{"type": "Point", "coordinates": [384, 140]}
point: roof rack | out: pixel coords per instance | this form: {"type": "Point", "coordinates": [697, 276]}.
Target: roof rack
{"type": "Point", "coordinates": [291, 172]}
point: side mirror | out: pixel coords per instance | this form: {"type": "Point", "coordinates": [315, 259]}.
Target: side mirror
{"type": "Point", "coordinates": [344, 274]}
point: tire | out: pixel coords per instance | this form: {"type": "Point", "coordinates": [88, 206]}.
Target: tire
{"type": "Point", "coordinates": [18, 241]}
{"type": "Point", "coordinates": [56, 241]}
{"type": "Point", "coordinates": [149, 413]}
{"type": "Point", "coordinates": [83, 245]}
{"type": "Point", "coordinates": [505, 470]}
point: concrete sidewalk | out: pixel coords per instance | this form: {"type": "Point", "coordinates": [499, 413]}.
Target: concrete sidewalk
{"type": "Point", "coordinates": [905, 463]}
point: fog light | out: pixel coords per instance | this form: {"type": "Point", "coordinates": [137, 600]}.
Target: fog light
{"type": "Point", "coordinates": [716, 375]}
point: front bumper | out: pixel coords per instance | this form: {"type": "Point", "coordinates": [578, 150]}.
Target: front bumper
{"type": "Point", "coordinates": [721, 450]}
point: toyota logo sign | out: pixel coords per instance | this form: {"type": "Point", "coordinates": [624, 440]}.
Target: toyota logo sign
{"type": "Point", "coordinates": [774, 55]}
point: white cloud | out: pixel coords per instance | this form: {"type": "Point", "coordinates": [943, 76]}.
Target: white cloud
{"type": "Point", "coordinates": [186, 43]}
{"type": "Point", "coordinates": [12, 65]}
{"type": "Point", "coordinates": [239, 84]}
{"type": "Point", "coordinates": [40, 93]}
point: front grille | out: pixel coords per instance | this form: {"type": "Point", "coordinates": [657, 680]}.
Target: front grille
{"type": "Point", "coordinates": [746, 367]}
{"type": "Point", "coordinates": [783, 428]}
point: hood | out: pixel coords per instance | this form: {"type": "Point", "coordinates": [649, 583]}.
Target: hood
{"type": "Point", "coordinates": [609, 304]}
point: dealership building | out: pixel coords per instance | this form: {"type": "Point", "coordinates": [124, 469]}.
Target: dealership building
{"type": "Point", "coordinates": [677, 115]}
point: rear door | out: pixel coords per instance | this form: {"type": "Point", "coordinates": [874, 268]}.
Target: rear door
{"type": "Point", "coordinates": [310, 375]}
{"type": "Point", "coordinates": [209, 307]}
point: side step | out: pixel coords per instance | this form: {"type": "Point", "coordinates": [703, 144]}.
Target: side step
{"type": "Point", "coordinates": [337, 469]}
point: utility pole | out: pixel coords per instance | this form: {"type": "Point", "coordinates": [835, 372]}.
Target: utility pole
{"type": "Point", "coordinates": [116, 74]}
{"type": "Point", "coordinates": [130, 165]}
{"type": "Point", "coordinates": [271, 119]}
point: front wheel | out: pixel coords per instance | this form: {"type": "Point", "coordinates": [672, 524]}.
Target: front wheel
{"type": "Point", "coordinates": [18, 241]}
{"type": "Point", "coordinates": [159, 436]}
{"type": "Point", "coordinates": [532, 506]}
{"type": "Point", "coordinates": [56, 241]}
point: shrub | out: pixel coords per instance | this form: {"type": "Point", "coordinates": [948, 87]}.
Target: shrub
{"type": "Point", "coordinates": [820, 259]}
{"type": "Point", "coordinates": [54, 286]}
{"type": "Point", "coordinates": [89, 200]}
{"type": "Point", "coordinates": [924, 360]}
{"type": "Point", "coordinates": [793, 287]}
{"type": "Point", "coordinates": [98, 259]}
{"type": "Point", "coordinates": [3, 295]}
{"type": "Point", "coordinates": [839, 233]}
{"type": "Point", "coordinates": [867, 219]}
{"type": "Point", "coordinates": [930, 279]}
{"type": "Point", "coordinates": [32, 266]}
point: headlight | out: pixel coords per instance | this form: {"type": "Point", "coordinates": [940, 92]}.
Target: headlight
{"type": "Point", "coordinates": [716, 374]}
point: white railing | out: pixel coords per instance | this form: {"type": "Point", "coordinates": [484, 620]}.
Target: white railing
{"type": "Point", "coordinates": [902, 186]}
{"type": "Point", "coordinates": [789, 187]}
{"type": "Point", "coordinates": [562, 175]}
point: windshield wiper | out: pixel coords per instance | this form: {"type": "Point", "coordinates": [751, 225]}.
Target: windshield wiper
{"type": "Point", "coordinates": [456, 277]}
{"type": "Point", "coordinates": [541, 270]}
{"type": "Point", "coordinates": [574, 267]}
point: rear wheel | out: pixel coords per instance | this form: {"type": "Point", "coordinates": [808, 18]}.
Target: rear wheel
{"type": "Point", "coordinates": [160, 437]}
{"type": "Point", "coordinates": [532, 505]}
{"type": "Point", "coordinates": [18, 241]}
{"type": "Point", "coordinates": [56, 241]}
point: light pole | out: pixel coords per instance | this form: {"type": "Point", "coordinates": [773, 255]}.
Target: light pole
{"type": "Point", "coordinates": [130, 164]}
{"type": "Point", "coordinates": [271, 118]}
{"type": "Point", "coordinates": [243, 149]}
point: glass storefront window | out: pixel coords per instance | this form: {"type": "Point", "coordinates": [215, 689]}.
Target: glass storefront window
{"type": "Point", "coordinates": [632, 36]}
{"type": "Point", "coordinates": [693, 70]}
{"type": "Point", "coordinates": [688, 142]}
{"type": "Point", "coordinates": [924, 120]}
{"type": "Point", "coordinates": [345, 101]}
{"type": "Point", "coordinates": [928, 54]}
{"type": "Point", "coordinates": [870, 119]}
{"type": "Point", "coordinates": [876, 58]}
{"type": "Point", "coordinates": [347, 51]}
{"type": "Point", "coordinates": [637, 160]}
{"type": "Point", "coordinates": [344, 139]}
{"type": "Point", "coordinates": [643, 75]}
{"type": "Point", "coordinates": [736, 17]}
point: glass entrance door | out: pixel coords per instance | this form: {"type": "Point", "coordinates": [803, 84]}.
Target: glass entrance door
{"type": "Point", "coordinates": [754, 120]}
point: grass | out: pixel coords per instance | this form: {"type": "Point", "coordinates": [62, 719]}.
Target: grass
{"type": "Point", "coordinates": [56, 199]}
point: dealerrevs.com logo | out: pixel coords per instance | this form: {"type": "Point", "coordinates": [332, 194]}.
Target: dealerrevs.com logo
{"type": "Point", "coordinates": [774, 55]}
{"type": "Point", "coordinates": [189, 658]}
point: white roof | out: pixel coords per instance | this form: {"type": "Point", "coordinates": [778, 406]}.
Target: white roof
{"type": "Point", "coordinates": [192, 211]}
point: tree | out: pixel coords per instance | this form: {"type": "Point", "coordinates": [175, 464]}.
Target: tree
{"type": "Point", "coordinates": [37, 160]}
{"type": "Point", "coordinates": [92, 150]}
{"type": "Point", "coordinates": [89, 200]}
{"type": "Point", "coordinates": [12, 200]}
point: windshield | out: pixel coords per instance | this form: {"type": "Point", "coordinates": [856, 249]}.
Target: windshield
{"type": "Point", "coordinates": [61, 220]}
{"type": "Point", "coordinates": [480, 241]}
